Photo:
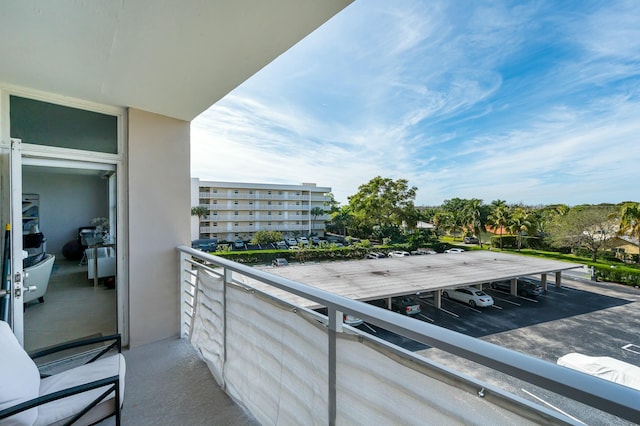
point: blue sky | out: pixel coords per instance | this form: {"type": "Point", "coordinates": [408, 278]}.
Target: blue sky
{"type": "Point", "coordinates": [535, 102]}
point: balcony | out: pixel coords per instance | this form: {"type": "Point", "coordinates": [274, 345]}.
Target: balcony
{"type": "Point", "coordinates": [313, 367]}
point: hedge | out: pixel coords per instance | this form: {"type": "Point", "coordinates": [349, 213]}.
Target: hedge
{"type": "Point", "coordinates": [618, 274]}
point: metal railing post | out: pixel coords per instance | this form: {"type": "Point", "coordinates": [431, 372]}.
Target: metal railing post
{"type": "Point", "coordinates": [182, 276]}
{"type": "Point", "coordinates": [335, 327]}
{"type": "Point", "coordinates": [228, 279]}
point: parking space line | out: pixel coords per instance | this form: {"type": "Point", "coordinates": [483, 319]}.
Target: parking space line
{"type": "Point", "coordinates": [632, 348]}
{"type": "Point", "coordinates": [552, 406]}
{"type": "Point", "coordinates": [509, 301]}
{"type": "Point", "coordinates": [496, 306]}
{"type": "Point", "coordinates": [425, 317]}
{"type": "Point", "coordinates": [450, 313]}
{"type": "Point", "coordinates": [369, 327]}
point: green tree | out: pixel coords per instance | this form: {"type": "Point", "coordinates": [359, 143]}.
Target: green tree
{"type": "Point", "coordinates": [383, 201]}
{"type": "Point", "coordinates": [455, 217]}
{"type": "Point", "coordinates": [520, 221]}
{"type": "Point", "coordinates": [499, 217]}
{"type": "Point", "coordinates": [341, 220]}
{"type": "Point", "coordinates": [587, 227]}
{"type": "Point", "coordinates": [473, 217]}
{"type": "Point", "coordinates": [315, 212]}
{"type": "Point", "coordinates": [630, 221]}
{"type": "Point", "coordinates": [331, 204]}
{"type": "Point", "coordinates": [266, 237]}
{"type": "Point", "coordinates": [199, 211]}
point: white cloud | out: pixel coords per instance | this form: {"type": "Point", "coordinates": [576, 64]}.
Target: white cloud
{"type": "Point", "coordinates": [529, 103]}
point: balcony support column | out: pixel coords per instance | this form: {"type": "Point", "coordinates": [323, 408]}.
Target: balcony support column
{"type": "Point", "coordinates": [558, 279]}
{"type": "Point", "coordinates": [543, 282]}
{"type": "Point", "coordinates": [335, 327]}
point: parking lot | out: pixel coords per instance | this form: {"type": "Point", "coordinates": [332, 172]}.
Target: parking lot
{"type": "Point", "coordinates": [597, 319]}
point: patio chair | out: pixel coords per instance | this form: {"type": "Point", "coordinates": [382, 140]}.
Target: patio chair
{"type": "Point", "coordinates": [82, 395]}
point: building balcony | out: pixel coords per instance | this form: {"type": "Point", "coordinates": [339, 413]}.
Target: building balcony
{"type": "Point", "coordinates": [314, 367]}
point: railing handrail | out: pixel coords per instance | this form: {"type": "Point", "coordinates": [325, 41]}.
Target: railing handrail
{"type": "Point", "coordinates": [607, 396]}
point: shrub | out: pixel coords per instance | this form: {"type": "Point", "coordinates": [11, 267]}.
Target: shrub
{"type": "Point", "coordinates": [618, 274]}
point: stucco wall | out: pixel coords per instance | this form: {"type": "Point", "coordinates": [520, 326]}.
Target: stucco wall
{"type": "Point", "coordinates": [159, 220]}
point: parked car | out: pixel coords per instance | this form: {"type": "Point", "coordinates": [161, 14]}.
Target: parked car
{"type": "Point", "coordinates": [526, 287]}
{"type": "Point", "coordinates": [280, 261]}
{"type": "Point", "coordinates": [470, 240]}
{"type": "Point", "coordinates": [375, 255]}
{"type": "Point", "coordinates": [454, 250]}
{"type": "Point", "coordinates": [399, 253]}
{"type": "Point", "coordinates": [281, 245]}
{"type": "Point", "coordinates": [406, 305]}
{"type": "Point", "coordinates": [351, 320]}
{"type": "Point", "coordinates": [303, 241]}
{"type": "Point", "coordinates": [291, 241]}
{"type": "Point", "coordinates": [315, 240]}
{"type": "Point", "coordinates": [238, 244]}
{"type": "Point", "coordinates": [472, 296]}
{"type": "Point", "coordinates": [347, 319]}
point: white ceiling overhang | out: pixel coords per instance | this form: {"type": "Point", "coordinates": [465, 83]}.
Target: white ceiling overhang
{"type": "Point", "coordinates": [174, 58]}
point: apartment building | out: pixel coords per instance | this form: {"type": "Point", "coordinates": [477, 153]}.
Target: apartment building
{"type": "Point", "coordinates": [237, 210]}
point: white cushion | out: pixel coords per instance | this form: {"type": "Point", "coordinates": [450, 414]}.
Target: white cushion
{"type": "Point", "coordinates": [63, 409]}
{"type": "Point", "coordinates": [19, 378]}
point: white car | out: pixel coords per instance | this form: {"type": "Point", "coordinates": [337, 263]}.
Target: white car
{"type": "Point", "coordinates": [303, 241]}
{"type": "Point", "coordinates": [399, 253]}
{"type": "Point", "coordinates": [291, 241]}
{"type": "Point", "coordinates": [472, 296]}
{"type": "Point", "coordinates": [454, 250]}
{"type": "Point", "coordinates": [349, 319]}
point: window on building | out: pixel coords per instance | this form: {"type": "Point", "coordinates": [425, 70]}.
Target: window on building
{"type": "Point", "coordinates": [251, 191]}
{"type": "Point", "coordinates": [297, 222]}
{"type": "Point", "coordinates": [215, 223]}
{"type": "Point", "coordinates": [297, 213]}
{"type": "Point", "coordinates": [269, 203]}
{"type": "Point", "coordinates": [236, 234]}
{"type": "Point", "coordinates": [235, 224]}
{"type": "Point", "coordinates": [235, 191]}
{"type": "Point", "coordinates": [250, 203]}
{"type": "Point", "coordinates": [297, 203]}
{"type": "Point", "coordinates": [269, 223]}
{"type": "Point", "coordinates": [269, 213]}
{"type": "Point", "coordinates": [250, 223]}
{"type": "Point", "coordinates": [215, 191]}
{"type": "Point", "coordinates": [298, 193]}
{"type": "Point", "coordinates": [215, 213]}
{"type": "Point", "coordinates": [279, 213]}
{"type": "Point", "coordinates": [279, 192]}
{"type": "Point", "coordinates": [269, 192]}
{"type": "Point", "coordinates": [215, 201]}
{"type": "Point", "coordinates": [235, 202]}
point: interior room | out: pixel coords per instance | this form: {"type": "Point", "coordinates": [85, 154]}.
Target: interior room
{"type": "Point", "coordinates": [67, 205]}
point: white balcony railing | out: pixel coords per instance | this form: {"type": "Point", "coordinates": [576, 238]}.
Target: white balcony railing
{"type": "Point", "coordinates": [315, 368]}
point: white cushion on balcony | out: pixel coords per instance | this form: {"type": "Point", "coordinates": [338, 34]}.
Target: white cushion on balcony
{"type": "Point", "coordinates": [19, 377]}
{"type": "Point", "coordinates": [59, 411]}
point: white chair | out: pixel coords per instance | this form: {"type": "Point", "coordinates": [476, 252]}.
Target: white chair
{"type": "Point", "coordinates": [38, 275]}
{"type": "Point", "coordinates": [106, 262]}
{"type": "Point", "coordinates": [82, 395]}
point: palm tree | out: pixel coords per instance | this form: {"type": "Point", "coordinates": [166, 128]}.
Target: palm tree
{"type": "Point", "coordinates": [520, 221]}
{"type": "Point", "coordinates": [199, 211]}
{"type": "Point", "coordinates": [474, 218]}
{"type": "Point", "coordinates": [315, 212]}
{"type": "Point", "coordinates": [499, 217]}
{"type": "Point", "coordinates": [630, 222]}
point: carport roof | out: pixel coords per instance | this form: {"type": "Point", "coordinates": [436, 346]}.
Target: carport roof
{"type": "Point", "coordinates": [380, 278]}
